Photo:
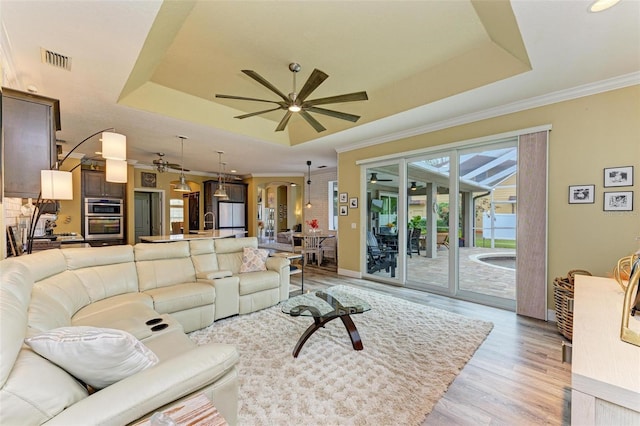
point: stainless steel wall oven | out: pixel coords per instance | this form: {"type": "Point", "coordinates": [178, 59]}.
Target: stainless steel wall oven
{"type": "Point", "coordinates": [103, 219]}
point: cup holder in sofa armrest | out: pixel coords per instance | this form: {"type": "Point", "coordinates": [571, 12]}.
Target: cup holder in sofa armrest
{"type": "Point", "coordinates": [159, 327]}
{"type": "Point", "coordinates": [154, 321]}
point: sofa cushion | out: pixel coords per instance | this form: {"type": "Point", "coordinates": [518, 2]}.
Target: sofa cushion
{"type": "Point", "coordinates": [20, 369]}
{"type": "Point", "coordinates": [163, 265]}
{"type": "Point", "coordinates": [253, 282]}
{"type": "Point", "coordinates": [15, 295]}
{"type": "Point", "coordinates": [97, 356]}
{"type": "Point", "coordinates": [253, 259]}
{"type": "Point", "coordinates": [203, 255]}
{"type": "Point", "coordinates": [182, 296]}
{"type": "Point", "coordinates": [36, 390]}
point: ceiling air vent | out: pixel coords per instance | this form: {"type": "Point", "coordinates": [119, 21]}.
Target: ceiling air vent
{"type": "Point", "coordinates": [55, 59]}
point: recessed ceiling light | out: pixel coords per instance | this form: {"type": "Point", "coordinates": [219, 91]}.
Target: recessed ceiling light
{"type": "Point", "coordinates": [600, 5]}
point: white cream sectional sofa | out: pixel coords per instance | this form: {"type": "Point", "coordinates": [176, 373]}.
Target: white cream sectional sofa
{"type": "Point", "coordinates": [186, 285]}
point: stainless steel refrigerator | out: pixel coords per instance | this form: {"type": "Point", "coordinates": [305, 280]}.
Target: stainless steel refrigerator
{"type": "Point", "coordinates": [232, 215]}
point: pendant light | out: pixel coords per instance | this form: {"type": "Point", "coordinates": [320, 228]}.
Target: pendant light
{"type": "Point", "coordinates": [309, 184]}
{"type": "Point", "coordinates": [220, 192]}
{"type": "Point", "coordinates": [182, 186]}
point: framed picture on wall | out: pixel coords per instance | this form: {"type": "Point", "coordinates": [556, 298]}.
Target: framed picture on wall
{"type": "Point", "coordinates": [148, 179]}
{"type": "Point", "coordinates": [582, 194]}
{"type": "Point", "coordinates": [353, 203]}
{"type": "Point", "coordinates": [618, 201]}
{"type": "Point", "coordinates": [343, 197]}
{"type": "Point", "coordinates": [344, 211]}
{"type": "Point", "coordinates": [618, 176]}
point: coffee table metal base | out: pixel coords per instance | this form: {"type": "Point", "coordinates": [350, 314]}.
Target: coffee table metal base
{"type": "Point", "coordinates": [320, 322]}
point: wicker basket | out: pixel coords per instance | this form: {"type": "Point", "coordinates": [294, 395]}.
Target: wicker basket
{"type": "Point", "coordinates": [563, 297]}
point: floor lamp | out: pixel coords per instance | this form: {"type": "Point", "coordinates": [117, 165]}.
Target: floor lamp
{"type": "Point", "coordinates": [56, 184]}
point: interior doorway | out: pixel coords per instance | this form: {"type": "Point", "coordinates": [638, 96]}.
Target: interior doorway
{"type": "Point", "coordinates": [148, 213]}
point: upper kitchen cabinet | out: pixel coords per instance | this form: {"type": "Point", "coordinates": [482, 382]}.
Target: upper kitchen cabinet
{"type": "Point", "coordinates": [94, 184]}
{"type": "Point", "coordinates": [30, 123]}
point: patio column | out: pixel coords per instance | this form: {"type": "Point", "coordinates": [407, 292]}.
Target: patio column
{"type": "Point", "coordinates": [468, 218]}
{"type": "Point", "coordinates": [431, 248]}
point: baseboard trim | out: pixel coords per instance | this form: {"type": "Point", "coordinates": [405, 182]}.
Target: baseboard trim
{"type": "Point", "coordinates": [349, 273]}
{"type": "Point", "coordinates": [551, 315]}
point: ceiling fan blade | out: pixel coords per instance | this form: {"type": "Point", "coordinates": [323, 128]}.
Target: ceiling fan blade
{"type": "Point", "coordinates": [314, 123]}
{"type": "Point", "coordinates": [337, 114]}
{"type": "Point", "coordinates": [242, 98]}
{"type": "Point", "coordinates": [251, 114]}
{"type": "Point", "coordinates": [349, 97]}
{"type": "Point", "coordinates": [315, 79]}
{"type": "Point", "coordinates": [284, 121]}
{"type": "Point", "coordinates": [257, 77]}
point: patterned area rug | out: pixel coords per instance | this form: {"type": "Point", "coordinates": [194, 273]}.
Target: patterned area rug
{"type": "Point", "coordinates": [411, 355]}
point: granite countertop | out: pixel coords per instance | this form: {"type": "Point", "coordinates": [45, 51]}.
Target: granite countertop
{"type": "Point", "coordinates": [218, 233]}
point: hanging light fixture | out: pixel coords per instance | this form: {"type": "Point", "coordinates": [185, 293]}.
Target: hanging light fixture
{"type": "Point", "coordinates": [182, 186]}
{"type": "Point", "coordinates": [374, 178]}
{"type": "Point", "coordinates": [220, 192]}
{"type": "Point", "coordinates": [413, 186]}
{"type": "Point", "coordinates": [309, 184]}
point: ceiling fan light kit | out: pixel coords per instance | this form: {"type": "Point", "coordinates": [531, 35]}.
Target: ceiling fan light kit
{"type": "Point", "coordinates": [296, 102]}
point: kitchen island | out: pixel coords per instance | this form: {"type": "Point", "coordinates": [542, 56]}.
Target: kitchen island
{"type": "Point", "coordinates": [200, 235]}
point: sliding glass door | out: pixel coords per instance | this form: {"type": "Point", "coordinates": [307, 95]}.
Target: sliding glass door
{"type": "Point", "coordinates": [487, 226]}
{"type": "Point", "coordinates": [384, 256]}
{"type": "Point", "coordinates": [445, 222]}
{"type": "Point", "coordinates": [428, 223]}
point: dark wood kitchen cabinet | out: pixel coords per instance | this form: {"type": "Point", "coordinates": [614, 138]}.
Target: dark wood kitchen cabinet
{"type": "Point", "coordinates": [30, 123]}
{"type": "Point", "coordinates": [95, 185]}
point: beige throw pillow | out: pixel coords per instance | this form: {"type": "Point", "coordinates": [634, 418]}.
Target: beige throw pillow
{"type": "Point", "coordinates": [97, 356]}
{"type": "Point", "coordinates": [254, 259]}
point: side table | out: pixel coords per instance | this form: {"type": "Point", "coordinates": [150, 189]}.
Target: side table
{"type": "Point", "coordinates": [291, 255]}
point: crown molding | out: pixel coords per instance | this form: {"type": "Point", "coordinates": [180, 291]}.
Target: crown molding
{"type": "Point", "coordinates": [510, 108]}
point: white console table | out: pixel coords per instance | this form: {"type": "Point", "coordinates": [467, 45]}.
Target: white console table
{"type": "Point", "coordinates": [605, 371]}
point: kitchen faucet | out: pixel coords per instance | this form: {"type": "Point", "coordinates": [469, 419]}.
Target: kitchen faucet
{"type": "Point", "coordinates": [212, 221]}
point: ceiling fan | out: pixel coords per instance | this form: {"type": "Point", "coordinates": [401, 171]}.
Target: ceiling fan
{"type": "Point", "coordinates": [163, 165]}
{"type": "Point", "coordinates": [374, 178]}
{"type": "Point", "coordinates": [296, 102]}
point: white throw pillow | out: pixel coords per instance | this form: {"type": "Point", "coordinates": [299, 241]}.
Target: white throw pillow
{"type": "Point", "coordinates": [97, 356]}
{"type": "Point", "coordinates": [254, 260]}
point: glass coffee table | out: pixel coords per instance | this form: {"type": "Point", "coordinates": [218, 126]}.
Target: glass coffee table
{"type": "Point", "coordinates": [324, 306]}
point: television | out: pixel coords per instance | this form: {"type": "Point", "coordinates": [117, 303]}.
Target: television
{"type": "Point", "coordinates": [376, 206]}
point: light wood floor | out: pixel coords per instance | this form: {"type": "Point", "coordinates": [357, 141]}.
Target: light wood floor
{"type": "Point", "coordinates": [516, 377]}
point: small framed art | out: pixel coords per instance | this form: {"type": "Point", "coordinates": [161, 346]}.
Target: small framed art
{"type": "Point", "coordinates": [618, 176]}
{"type": "Point", "coordinates": [344, 210]}
{"type": "Point", "coordinates": [343, 197]}
{"type": "Point", "coordinates": [353, 203]}
{"type": "Point", "coordinates": [582, 194]}
{"type": "Point", "coordinates": [148, 179]}
{"type": "Point", "coordinates": [618, 201]}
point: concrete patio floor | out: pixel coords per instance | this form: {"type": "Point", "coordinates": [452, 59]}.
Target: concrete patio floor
{"type": "Point", "coordinates": [474, 275]}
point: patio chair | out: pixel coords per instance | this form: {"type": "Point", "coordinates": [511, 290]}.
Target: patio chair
{"type": "Point", "coordinates": [442, 239]}
{"type": "Point", "coordinates": [413, 241]}
{"type": "Point", "coordinates": [379, 258]}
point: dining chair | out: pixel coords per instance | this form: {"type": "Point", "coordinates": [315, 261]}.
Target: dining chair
{"type": "Point", "coordinates": [311, 249]}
